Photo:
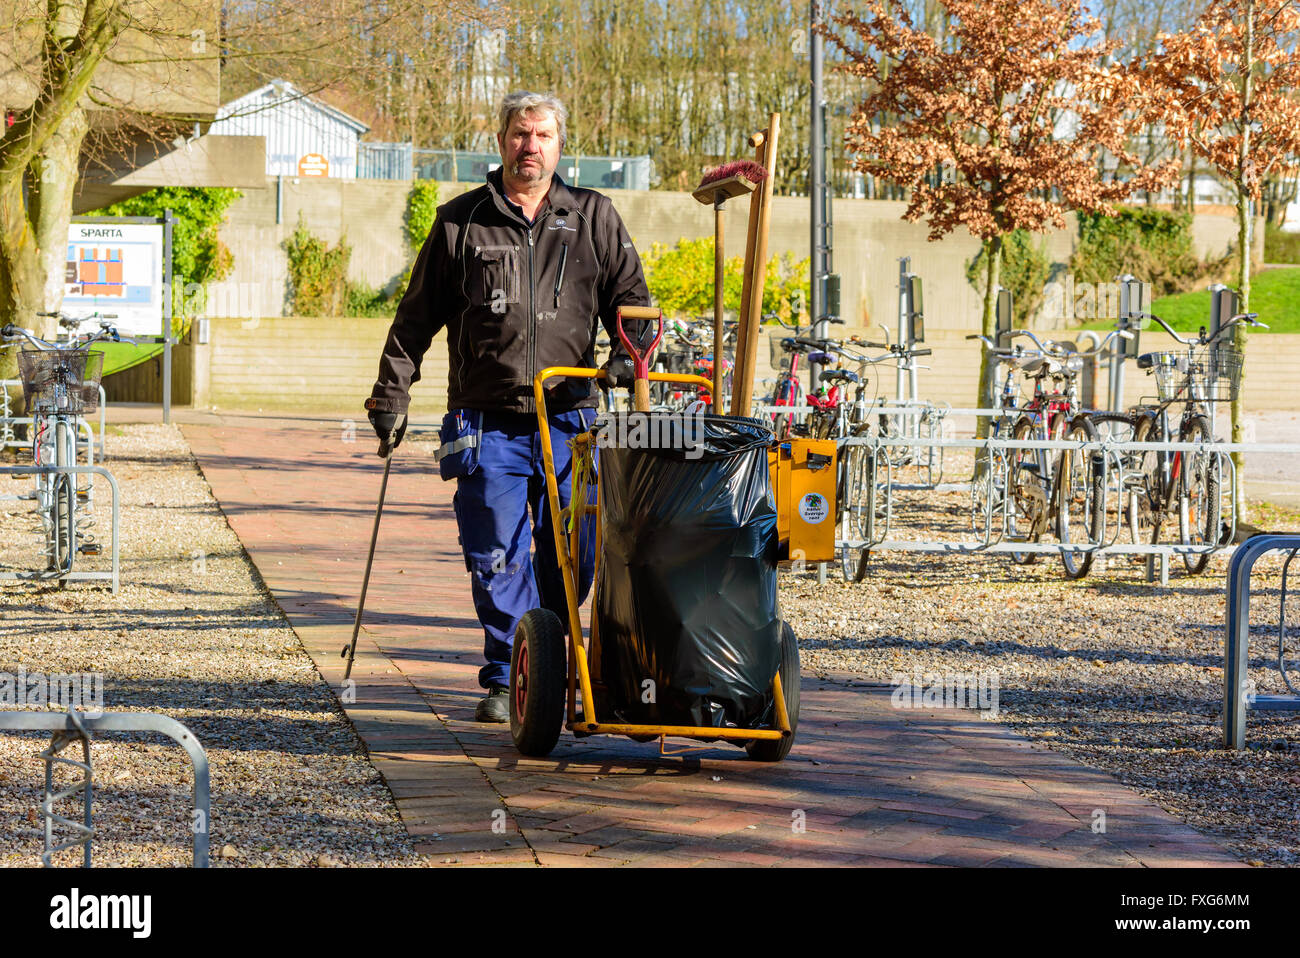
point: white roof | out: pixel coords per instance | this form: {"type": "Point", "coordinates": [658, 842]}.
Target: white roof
{"type": "Point", "coordinates": [278, 91]}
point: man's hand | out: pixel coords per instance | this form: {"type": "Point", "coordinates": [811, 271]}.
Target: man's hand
{"type": "Point", "coordinates": [390, 427]}
{"type": "Point", "coordinates": [619, 374]}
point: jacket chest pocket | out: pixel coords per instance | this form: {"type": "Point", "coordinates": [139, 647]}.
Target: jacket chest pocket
{"type": "Point", "coordinates": [495, 277]}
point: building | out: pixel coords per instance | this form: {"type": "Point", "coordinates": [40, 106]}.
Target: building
{"type": "Point", "coordinates": [304, 136]}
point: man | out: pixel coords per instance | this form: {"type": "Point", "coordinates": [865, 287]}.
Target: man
{"type": "Point", "coordinates": [517, 271]}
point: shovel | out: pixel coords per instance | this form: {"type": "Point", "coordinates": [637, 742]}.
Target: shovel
{"type": "Point", "coordinates": [641, 360]}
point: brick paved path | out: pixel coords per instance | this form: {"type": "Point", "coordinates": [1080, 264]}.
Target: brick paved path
{"type": "Point", "coordinates": [869, 784]}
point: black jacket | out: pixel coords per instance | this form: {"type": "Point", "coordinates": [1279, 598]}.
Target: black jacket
{"type": "Point", "coordinates": [513, 298]}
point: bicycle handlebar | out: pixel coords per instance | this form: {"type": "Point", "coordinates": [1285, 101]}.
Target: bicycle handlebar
{"type": "Point", "coordinates": [1168, 329]}
{"type": "Point", "coordinates": [107, 333]}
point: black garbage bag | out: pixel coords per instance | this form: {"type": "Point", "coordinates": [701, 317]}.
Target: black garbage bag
{"type": "Point", "coordinates": [686, 597]}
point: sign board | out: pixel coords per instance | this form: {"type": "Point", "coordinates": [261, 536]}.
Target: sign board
{"type": "Point", "coordinates": [313, 164]}
{"type": "Point", "coordinates": [1134, 303]}
{"type": "Point", "coordinates": [115, 271]}
{"type": "Point", "coordinates": [915, 310]}
{"type": "Point", "coordinates": [1224, 304]}
{"type": "Point", "coordinates": [1003, 318]}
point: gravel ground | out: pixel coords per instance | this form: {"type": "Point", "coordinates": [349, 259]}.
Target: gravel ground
{"type": "Point", "coordinates": [1119, 674]}
{"type": "Point", "coordinates": [192, 634]}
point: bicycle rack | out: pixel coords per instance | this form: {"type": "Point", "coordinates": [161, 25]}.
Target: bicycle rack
{"type": "Point", "coordinates": [997, 506]}
{"type": "Point", "coordinates": [71, 726]}
{"type": "Point", "coordinates": [7, 439]}
{"type": "Point", "coordinates": [869, 509]}
{"type": "Point", "coordinates": [1238, 689]}
{"type": "Point", "coordinates": [73, 575]}
{"type": "Point", "coordinates": [920, 413]}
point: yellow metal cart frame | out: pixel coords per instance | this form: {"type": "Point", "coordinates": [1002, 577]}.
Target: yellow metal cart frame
{"type": "Point", "coordinates": [581, 715]}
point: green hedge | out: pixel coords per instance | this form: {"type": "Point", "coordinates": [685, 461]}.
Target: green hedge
{"type": "Point", "coordinates": [1154, 245]}
{"type": "Point", "coordinates": [1280, 247]}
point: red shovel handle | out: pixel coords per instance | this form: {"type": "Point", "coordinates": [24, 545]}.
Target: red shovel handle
{"type": "Point", "coordinates": [640, 361]}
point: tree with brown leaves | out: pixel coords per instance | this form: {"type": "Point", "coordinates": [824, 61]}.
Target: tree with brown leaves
{"type": "Point", "coordinates": [1014, 105]}
{"type": "Point", "coordinates": [1227, 86]}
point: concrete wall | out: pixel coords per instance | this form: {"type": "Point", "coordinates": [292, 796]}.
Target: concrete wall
{"type": "Point", "coordinates": [302, 363]}
{"type": "Point", "coordinates": [329, 366]}
{"type": "Point", "coordinates": [869, 237]}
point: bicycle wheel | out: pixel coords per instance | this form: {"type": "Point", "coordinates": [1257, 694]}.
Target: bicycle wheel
{"type": "Point", "coordinates": [1081, 508]}
{"type": "Point", "coordinates": [821, 424]}
{"type": "Point", "coordinates": [1028, 494]}
{"type": "Point", "coordinates": [787, 391]}
{"type": "Point", "coordinates": [1147, 500]}
{"type": "Point", "coordinates": [64, 545]}
{"type": "Point", "coordinates": [1116, 427]}
{"type": "Point", "coordinates": [64, 505]}
{"type": "Point", "coordinates": [1199, 496]}
{"type": "Point", "coordinates": [854, 503]}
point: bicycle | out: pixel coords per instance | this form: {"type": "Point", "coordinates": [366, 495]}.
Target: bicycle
{"type": "Point", "coordinates": [900, 425]}
{"type": "Point", "coordinates": [858, 464]}
{"type": "Point", "coordinates": [60, 382]}
{"type": "Point", "coordinates": [1065, 493]}
{"type": "Point", "coordinates": [1161, 483]}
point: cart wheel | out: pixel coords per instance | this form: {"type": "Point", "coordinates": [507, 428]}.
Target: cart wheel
{"type": "Point", "coordinates": [774, 750]}
{"type": "Point", "coordinates": [537, 683]}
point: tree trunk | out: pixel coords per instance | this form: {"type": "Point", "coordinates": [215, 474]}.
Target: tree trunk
{"type": "Point", "coordinates": [1244, 224]}
{"type": "Point", "coordinates": [20, 274]}
{"type": "Point", "coordinates": [1239, 334]}
{"type": "Point", "coordinates": [992, 274]}
{"type": "Point", "coordinates": [54, 180]}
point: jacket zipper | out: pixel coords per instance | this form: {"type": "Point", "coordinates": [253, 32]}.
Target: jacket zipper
{"type": "Point", "coordinates": [532, 313]}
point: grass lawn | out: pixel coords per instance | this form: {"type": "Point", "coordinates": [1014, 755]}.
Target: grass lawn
{"type": "Point", "coordinates": [120, 356]}
{"type": "Point", "coordinates": [1274, 294]}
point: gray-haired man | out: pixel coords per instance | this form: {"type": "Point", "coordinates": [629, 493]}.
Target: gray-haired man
{"type": "Point", "coordinates": [518, 271]}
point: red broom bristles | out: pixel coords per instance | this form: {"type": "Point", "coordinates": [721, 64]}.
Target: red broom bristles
{"type": "Point", "coordinates": [750, 170]}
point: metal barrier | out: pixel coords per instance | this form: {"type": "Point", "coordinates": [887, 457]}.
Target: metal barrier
{"type": "Point", "coordinates": [57, 575]}
{"type": "Point", "coordinates": [1238, 690]}
{"type": "Point", "coordinates": [71, 726]}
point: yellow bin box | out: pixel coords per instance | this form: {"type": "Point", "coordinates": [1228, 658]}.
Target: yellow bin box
{"type": "Point", "coordinates": [803, 480]}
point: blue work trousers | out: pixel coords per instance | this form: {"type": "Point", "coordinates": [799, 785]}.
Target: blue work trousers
{"type": "Point", "coordinates": [501, 508]}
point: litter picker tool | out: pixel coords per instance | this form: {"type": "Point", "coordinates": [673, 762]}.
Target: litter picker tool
{"type": "Point", "coordinates": [641, 360]}
{"type": "Point", "coordinates": [386, 447]}
{"type": "Point", "coordinates": [738, 178]}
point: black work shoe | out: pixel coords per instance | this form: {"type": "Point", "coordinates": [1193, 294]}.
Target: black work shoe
{"type": "Point", "coordinates": [495, 706]}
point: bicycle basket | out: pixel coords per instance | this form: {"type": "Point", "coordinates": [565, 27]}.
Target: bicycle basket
{"type": "Point", "coordinates": [779, 357]}
{"type": "Point", "coordinates": [61, 380]}
{"type": "Point", "coordinates": [1208, 375]}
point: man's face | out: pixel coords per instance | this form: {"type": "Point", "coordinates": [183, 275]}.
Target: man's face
{"type": "Point", "coordinates": [530, 147]}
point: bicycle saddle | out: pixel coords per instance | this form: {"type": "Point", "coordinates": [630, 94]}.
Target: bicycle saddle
{"type": "Point", "coordinates": [1033, 365]}
{"type": "Point", "coordinates": [840, 376]}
